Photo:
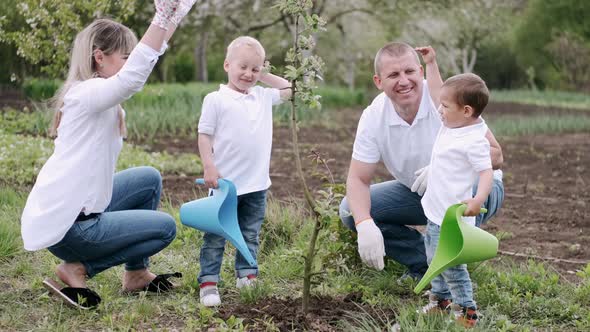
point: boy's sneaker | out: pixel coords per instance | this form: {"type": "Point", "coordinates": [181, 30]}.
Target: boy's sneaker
{"type": "Point", "coordinates": [247, 281]}
{"type": "Point", "coordinates": [209, 294]}
{"type": "Point", "coordinates": [435, 305]}
{"type": "Point", "coordinates": [466, 317]}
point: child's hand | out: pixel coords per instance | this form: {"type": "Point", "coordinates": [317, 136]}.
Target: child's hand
{"type": "Point", "coordinates": [266, 67]}
{"type": "Point", "coordinates": [210, 175]}
{"type": "Point", "coordinates": [428, 54]}
{"type": "Point", "coordinates": [473, 207]}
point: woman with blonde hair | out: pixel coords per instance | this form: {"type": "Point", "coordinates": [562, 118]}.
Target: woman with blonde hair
{"type": "Point", "coordinates": [79, 208]}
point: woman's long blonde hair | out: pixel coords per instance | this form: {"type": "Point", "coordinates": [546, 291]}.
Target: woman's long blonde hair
{"type": "Point", "coordinates": [102, 34]}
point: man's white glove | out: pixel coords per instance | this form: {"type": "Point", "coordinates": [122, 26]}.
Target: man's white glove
{"type": "Point", "coordinates": [370, 241]}
{"type": "Point", "coordinates": [419, 185]}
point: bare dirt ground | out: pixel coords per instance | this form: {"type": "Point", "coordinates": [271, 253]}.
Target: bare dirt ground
{"type": "Point", "coordinates": [324, 315]}
{"type": "Point", "coordinates": [546, 178]}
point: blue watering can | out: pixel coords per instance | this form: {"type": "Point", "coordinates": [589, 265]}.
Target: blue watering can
{"type": "Point", "coordinates": [217, 214]}
{"type": "Point", "coordinates": [459, 243]}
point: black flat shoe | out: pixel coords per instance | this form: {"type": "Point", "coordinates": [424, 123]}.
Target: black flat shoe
{"type": "Point", "coordinates": [81, 298]}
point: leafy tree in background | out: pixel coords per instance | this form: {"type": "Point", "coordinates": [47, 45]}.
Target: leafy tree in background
{"type": "Point", "coordinates": [51, 25]}
{"type": "Point", "coordinates": [458, 29]}
{"type": "Point", "coordinates": [11, 66]}
{"type": "Point", "coordinates": [554, 40]}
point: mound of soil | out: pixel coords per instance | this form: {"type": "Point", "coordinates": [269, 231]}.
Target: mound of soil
{"type": "Point", "coordinates": [325, 314]}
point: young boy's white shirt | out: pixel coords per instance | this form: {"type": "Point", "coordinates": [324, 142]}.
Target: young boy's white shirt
{"type": "Point", "coordinates": [240, 126]}
{"type": "Point", "coordinates": [459, 154]}
{"type": "Point", "coordinates": [383, 135]}
{"type": "Point", "coordinates": [79, 174]}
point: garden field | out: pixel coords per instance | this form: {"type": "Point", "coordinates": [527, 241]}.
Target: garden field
{"type": "Point", "coordinates": [539, 282]}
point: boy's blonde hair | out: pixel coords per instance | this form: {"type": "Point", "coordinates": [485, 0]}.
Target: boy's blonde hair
{"type": "Point", "coordinates": [245, 41]}
{"type": "Point", "coordinates": [469, 90]}
{"type": "Point", "coordinates": [104, 34]}
{"type": "Point", "coordinates": [394, 49]}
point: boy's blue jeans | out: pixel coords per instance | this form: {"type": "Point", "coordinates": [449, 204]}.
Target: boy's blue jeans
{"type": "Point", "coordinates": [129, 231]}
{"type": "Point", "coordinates": [453, 283]}
{"type": "Point", "coordinates": [251, 210]}
{"type": "Point", "coordinates": [394, 207]}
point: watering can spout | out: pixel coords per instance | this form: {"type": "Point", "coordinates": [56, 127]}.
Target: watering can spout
{"type": "Point", "coordinates": [218, 214]}
{"type": "Point", "coordinates": [459, 243]}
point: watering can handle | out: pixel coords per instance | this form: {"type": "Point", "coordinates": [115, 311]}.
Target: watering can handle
{"type": "Point", "coordinates": [462, 208]}
{"type": "Point", "coordinates": [222, 184]}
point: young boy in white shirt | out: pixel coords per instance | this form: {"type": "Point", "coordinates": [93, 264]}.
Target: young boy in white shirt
{"type": "Point", "coordinates": [460, 155]}
{"type": "Point", "coordinates": [235, 138]}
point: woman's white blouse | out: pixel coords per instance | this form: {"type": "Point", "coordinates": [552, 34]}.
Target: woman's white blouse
{"type": "Point", "coordinates": [78, 177]}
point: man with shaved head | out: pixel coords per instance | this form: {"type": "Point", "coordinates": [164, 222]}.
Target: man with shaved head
{"type": "Point", "coordinates": [399, 128]}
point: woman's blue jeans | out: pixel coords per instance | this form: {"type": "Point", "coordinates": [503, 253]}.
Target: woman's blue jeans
{"type": "Point", "coordinates": [251, 210]}
{"type": "Point", "coordinates": [394, 207]}
{"type": "Point", "coordinates": [129, 231]}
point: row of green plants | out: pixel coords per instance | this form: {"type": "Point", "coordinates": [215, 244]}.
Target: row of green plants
{"type": "Point", "coordinates": [174, 109]}
{"type": "Point", "coordinates": [21, 159]}
{"type": "Point", "coordinates": [518, 125]}
{"type": "Point", "coordinates": [513, 296]}
{"type": "Point", "coordinates": [547, 98]}
{"type": "Point", "coordinates": [172, 95]}
{"type": "Point", "coordinates": [143, 125]}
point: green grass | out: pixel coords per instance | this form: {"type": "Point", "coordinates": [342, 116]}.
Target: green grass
{"type": "Point", "coordinates": [561, 99]}
{"type": "Point", "coordinates": [512, 296]}
{"type": "Point", "coordinates": [21, 159]}
{"type": "Point", "coordinates": [516, 125]}
{"type": "Point", "coordinates": [11, 203]}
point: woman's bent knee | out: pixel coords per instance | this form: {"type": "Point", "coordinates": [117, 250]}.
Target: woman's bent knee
{"type": "Point", "coordinates": [168, 225]}
{"type": "Point", "coordinates": [151, 175]}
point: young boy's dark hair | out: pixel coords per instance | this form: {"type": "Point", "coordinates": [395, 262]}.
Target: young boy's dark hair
{"type": "Point", "coordinates": [469, 90]}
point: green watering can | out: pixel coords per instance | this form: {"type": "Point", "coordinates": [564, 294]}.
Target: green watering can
{"type": "Point", "coordinates": [218, 214]}
{"type": "Point", "coordinates": [459, 243]}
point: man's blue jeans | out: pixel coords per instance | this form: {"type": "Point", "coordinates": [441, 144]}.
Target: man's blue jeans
{"type": "Point", "coordinates": [453, 283]}
{"type": "Point", "coordinates": [129, 231]}
{"type": "Point", "coordinates": [394, 207]}
{"type": "Point", "coordinates": [251, 210]}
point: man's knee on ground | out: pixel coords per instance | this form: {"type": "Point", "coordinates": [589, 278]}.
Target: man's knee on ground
{"type": "Point", "coordinates": [346, 215]}
{"type": "Point", "coordinates": [493, 203]}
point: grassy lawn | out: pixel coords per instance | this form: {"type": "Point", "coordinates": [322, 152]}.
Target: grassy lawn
{"type": "Point", "coordinates": [513, 295]}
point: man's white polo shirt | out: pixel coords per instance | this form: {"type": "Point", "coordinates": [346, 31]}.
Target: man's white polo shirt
{"type": "Point", "coordinates": [383, 135]}
{"type": "Point", "coordinates": [241, 128]}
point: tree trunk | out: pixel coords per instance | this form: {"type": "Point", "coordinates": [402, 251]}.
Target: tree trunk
{"type": "Point", "coordinates": [468, 59]}
{"type": "Point", "coordinates": [201, 57]}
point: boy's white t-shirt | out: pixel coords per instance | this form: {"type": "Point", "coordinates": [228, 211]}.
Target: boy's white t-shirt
{"type": "Point", "coordinates": [383, 135]}
{"type": "Point", "coordinates": [240, 126]}
{"type": "Point", "coordinates": [459, 154]}
{"type": "Point", "coordinates": [78, 176]}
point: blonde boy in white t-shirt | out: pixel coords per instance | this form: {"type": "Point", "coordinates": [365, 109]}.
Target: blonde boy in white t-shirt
{"type": "Point", "coordinates": [235, 138]}
{"type": "Point", "coordinates": [460, 155]}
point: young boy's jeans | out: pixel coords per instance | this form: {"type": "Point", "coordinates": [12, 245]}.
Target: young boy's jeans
{"type": "Point", "coordinates": [251, 209]}
{"type": "Point", "coordinates": [454, 283]}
